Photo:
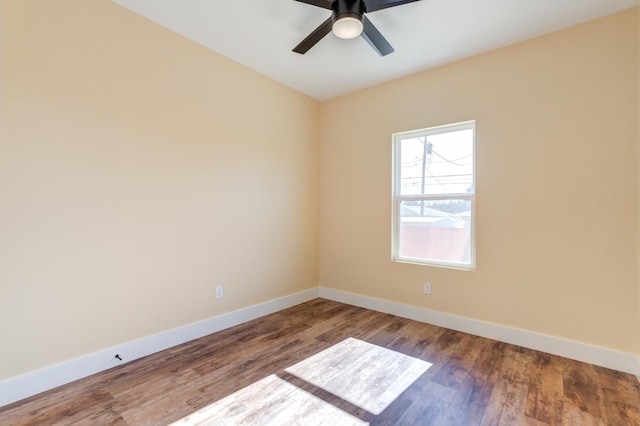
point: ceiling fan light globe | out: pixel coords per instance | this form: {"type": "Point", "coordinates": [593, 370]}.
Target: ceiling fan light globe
{"type": "Point", "coordinates": [347, 27]}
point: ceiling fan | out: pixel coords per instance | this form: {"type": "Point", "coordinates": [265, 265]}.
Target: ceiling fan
{"type": "Point", "coordinates": [348, 20]}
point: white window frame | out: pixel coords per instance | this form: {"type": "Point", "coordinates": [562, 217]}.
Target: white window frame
{"type": "Point", "coordinates": [397, 198]}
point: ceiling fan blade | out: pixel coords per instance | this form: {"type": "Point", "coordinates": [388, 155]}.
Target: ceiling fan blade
{"type": "Point", "coordinates": [314, 37]}
{"type": "Point", "coordinates": [373, 5]}
{"type": "Point", "coordinates": [325, 4]}
{"type": "Point", "coordinates": [375, 39]}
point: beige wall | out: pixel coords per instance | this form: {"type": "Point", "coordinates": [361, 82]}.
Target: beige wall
{"type": "Point", "coordinates": [556, 185]}
{"type": "Point", "coordinates": [638, 169]}
{"type": "Point", "coordinates": [139, 170]}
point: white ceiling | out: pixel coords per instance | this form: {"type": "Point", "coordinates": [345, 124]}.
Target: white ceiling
{"type": "Point", "coordinates": [261, 33]}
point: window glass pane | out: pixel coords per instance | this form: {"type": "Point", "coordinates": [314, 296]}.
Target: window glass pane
{"type": "Point", "coordinates": [440, 163]}
{"type": "Point", "coordinates": [438, 230]}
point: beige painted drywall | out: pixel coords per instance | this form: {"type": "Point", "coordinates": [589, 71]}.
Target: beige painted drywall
{"type": "Point", "coordinates": [138, 170]}
{"type": "Point", "coordinates": [556, 185]}
{"type": "Point", "coordinates": [638, 171]}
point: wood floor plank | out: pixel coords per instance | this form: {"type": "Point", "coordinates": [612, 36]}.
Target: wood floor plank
{"type": "Point", "coordinates": [508, 399]}
{"type": "Point", "coordinates": [428, 405]}
{"type": "Point", "coordinates": [471, 380]}
{"type": "Point", "coordinates": [582, 388]}
{"type": "Point", "coordinates": [490, 360]}
{"type": "Point", "coordinates": [572, 415]}
{"type": "Point", "coordinates": [545, 398]}
{"type": "Point", "coordinates": [469, 403]}
{"type": "Point", "coordinates": [619, 396]}
{"type": "Point", "coordinates": [528, 421]}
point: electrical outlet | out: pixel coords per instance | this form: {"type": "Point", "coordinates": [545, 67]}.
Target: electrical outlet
{"type": "Point", "coordinates": [427, 288]}
{"type": "Point", "coordinates": [219, 292]}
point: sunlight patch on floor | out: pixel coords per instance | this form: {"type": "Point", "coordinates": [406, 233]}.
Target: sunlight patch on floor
{"type": "Point", "coordinates": [271, 401]}
{"type": "Point", "coordinates": [365, 375]}
{"type": "Point", "coordinates": [368, 376]}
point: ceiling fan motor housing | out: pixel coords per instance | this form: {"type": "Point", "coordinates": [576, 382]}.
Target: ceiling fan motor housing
{"type": "Point", "coordinates": [347, 9]}
{"type": "Point", "coordinates": [348, 21]}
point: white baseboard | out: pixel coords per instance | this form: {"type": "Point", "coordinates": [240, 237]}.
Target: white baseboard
{"type": "Point", "coordinates": [33, 383]}
{"type": "Point", "coordinates": [620, 361]}
{"type": "Point", "coordinates": [30, 384]}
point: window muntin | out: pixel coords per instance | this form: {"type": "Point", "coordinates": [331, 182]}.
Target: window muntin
{"type": "Point", "coordinates": [434, 194]}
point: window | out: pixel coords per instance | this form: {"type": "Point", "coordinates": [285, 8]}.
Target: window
{"type": "Point", "coordinates": [433, 196]}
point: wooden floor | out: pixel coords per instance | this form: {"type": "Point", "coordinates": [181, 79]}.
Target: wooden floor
{"type": "Point", "coordinates": [471, 380]}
